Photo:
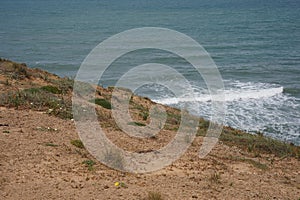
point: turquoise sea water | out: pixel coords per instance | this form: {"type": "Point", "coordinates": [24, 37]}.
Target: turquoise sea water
{"type": "Point", "coordinates": [255, 44]}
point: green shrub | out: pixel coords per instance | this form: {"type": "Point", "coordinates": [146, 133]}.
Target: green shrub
{"type": "Point", "coordinates": [65, 85]}
{"type": "Point", "coordinates": [51, 89]}
{"type": "Point", "coordinates": [102, 102]}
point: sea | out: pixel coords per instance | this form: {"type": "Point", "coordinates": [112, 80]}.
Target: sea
{"type": "Point", "coordinates": [255, 44]}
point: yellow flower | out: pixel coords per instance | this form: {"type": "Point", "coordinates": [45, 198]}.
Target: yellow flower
{"type": "Point", "coordinates": [117, 184]}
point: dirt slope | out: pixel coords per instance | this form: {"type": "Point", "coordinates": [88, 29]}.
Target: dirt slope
{"type": "Point", "coordinates": [40, 159]}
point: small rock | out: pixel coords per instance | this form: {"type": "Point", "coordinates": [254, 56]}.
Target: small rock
{"type": "Point", "coordinates": [106, 187]}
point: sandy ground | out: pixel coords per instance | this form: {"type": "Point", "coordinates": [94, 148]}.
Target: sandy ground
{"type": "Point", "coordinates": [30, 169]}
{"type": "Point", "coordinates": [38, 161]}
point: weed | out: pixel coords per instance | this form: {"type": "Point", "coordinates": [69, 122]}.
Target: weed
{"type": "Point", "coordinates": [144, 115]}
{"type": "Point", "coordinates": [77, 143]}
{"type": "Point", "coordinates": [137, 106]}
{"type": "Point", "coordinates": [215, 178]}
{"type": "Point", "coordinates": [45, 77]}
{"type": "Point", "coordinates": [89, 164]}
{"type": "Point", "coordinates": [5, 131]}
{"type": "Point", "coordinates": [250, 147]}
{"type": "Point", "coordinates": [120, 184]}
{"type": "Point", "coordinates": [257, 164]}
{"type": "Point", "coordinates": [49, 144]}
{"type": "Point", "coordinates": [204, 124]}
{"type": "Point", "coordinates": [171, 127]}
{"type": "Point", "coordinates": [173, 118]}
{"type": "Point", "coordinates": [154, 196]}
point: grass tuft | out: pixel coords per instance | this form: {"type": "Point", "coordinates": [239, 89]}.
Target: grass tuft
{"type": "Point", "coordinates": [77, 143]}
{"type": "Point", "coordinates": [215, 177]}
{"type": "Point", "coordinates": [256, 164]}
{"type": "Point", "coordinates": [89, 164]}
{"type": "Point", "coordinates": [136, 124]}
{"type": "Point", "coordinates": [49, 144]}
{"type": "Point", "coordinates": [154, 196]}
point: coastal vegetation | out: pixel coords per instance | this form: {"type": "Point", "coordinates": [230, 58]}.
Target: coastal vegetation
{"type": "Point", "coordinates": [29, 89]}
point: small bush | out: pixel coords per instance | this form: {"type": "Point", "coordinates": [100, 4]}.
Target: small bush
{"type": "Point", "coordinates": [20, 71]}
{"type": "Point", "coordinates": [77, 143]}
{"type": "Point", "coordinates": [65, 85]}
{"type": "Point", "coordinates": [102, 102]}
{"type": "Point", "coordinates": [51, 89]}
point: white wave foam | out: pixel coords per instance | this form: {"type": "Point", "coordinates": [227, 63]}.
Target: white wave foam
{"type": "Point", "coordinates": [249, 106]}
{"type": "Point", "coordinates": [230, 95]}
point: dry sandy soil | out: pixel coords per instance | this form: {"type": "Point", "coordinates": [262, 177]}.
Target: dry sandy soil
{"type": "Point", "coordinates": [38, 161]}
